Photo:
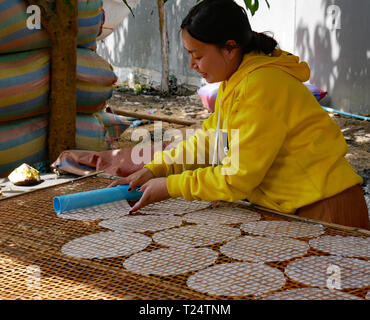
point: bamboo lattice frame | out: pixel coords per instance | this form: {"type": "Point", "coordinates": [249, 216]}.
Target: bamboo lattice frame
{"type": "Point", "coordinates": [31, 237]}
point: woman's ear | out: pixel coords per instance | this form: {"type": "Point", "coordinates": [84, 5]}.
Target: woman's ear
{"type": "Point", "coordinates": [231, 48]}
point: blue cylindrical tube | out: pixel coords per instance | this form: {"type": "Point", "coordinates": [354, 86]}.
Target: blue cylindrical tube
{"type": "Point", "coordinates": [93, 198]}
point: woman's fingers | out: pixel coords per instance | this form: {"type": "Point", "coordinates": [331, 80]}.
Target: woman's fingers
{"type": "Point", "coordinates": [143, 187]}
{"type": "Point", "coordinates": [135, 179]}
{"type": "Point", "coordinates": [135, 183]}
{"type": "Point", "coordinates": [144, 200]}
{"type": "Point", "coordinates": [153, 190]}
{"type": "Point", "coordinates": [119, 182]}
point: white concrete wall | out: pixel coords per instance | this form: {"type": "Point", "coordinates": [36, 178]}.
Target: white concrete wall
{"type": "Point", "coordinates": [334, 41]}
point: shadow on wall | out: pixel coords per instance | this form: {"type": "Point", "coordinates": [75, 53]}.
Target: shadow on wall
{"type": "Point", "coordinates": [116, 47]}
{"type": "Point", "coordinates": [338, 52]}
{"type": "Point", "coordinates": [135, 46]}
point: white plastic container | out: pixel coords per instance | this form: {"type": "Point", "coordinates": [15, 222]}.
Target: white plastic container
{"type": "Point", "coordinates": [115, 11]}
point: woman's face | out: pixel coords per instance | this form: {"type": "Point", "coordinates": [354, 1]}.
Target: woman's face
{"type": "Point", "coordinates": [213, 63]}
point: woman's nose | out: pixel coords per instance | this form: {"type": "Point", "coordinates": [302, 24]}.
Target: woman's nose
{"type": "Point", "coordinates": [193, 65]}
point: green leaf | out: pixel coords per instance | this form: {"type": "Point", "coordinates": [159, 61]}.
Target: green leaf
{"type": "Point", "coordinates": [128, 6]}
{"type": "Point", "coordinates": [253, 7]}
{"type": "Point", "coordinates": [69, 4]}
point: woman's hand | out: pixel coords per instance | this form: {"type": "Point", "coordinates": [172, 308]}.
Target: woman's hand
{"type": "Point", "coordinates": [153, 191]}
{"type": "Point", "coordinates": [135, 179]}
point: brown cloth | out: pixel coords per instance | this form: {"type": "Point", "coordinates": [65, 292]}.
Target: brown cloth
{"type": "Point", "coordinates": [82, 162]}
{"type": "Point", "coordinates": [118, 162]}
{"type": "Point", "coordinates": [347, 208]}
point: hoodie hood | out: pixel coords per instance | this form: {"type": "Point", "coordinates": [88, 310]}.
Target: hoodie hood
{"type": "Point", "coordinates": [280, 59]}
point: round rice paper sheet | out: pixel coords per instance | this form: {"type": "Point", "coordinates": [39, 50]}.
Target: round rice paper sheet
{"type": "Point", "coordinates": [102, 211]}
{"type": "Point", "coordinates": [263, 249]}
{"type": "Point", "coordinates": [196, 235]}
{"type": "Point", "coordinates": [311, 294]}
{"type": "Point", "coordinates": [222, 215]}
{"type": "Point", "coordinates": [142, 223]}
{"type": "Point", "coordinates": [106, 245]}
{"type": "Point", "coordinates": [343, 246]}
{"type": "Point", "coordinates": [237, 279]}
{"type": "Point", "coordinates": [174, 206]}
{"type": "Point", "coordinates": [170, 261]}
{"type": "Point", "coordinates": [330, 271]}
{"type": "Point", "coordinates": [290, 229]}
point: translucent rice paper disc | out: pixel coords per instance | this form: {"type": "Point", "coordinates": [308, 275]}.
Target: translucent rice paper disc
{"type": "Point", "coordinates": [106, 245]}
{"type": "Point", "coordinates": [326, 271]}
{"type": "Point", "coordinates": [171, 261]}
{"type": "Point", "coordinates": [222, 215]}
{"type": "Point", "coordinates": [343, 246]}
{"type": "Point", "coordinates": [174, 206]}
{"type": "Point", "coordinates": [142, 223]}
{"type": "Point", "coordinates": [103, 211]}
{"type": "Point", "coordinates": [291, 229]}
{"type": "Point", "coordinates": [263, 249]}
{"type": "Point", "coordinates": [237, 279]}
{"type": "Point", "coordinates": [196, 235]}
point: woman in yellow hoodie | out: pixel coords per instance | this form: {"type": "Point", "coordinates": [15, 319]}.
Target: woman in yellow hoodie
{"type": "Point", "coordinates": [268, 141]}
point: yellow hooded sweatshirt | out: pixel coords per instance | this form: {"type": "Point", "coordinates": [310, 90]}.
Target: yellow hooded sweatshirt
{"type": "Point", "coordinates": [283, 151]}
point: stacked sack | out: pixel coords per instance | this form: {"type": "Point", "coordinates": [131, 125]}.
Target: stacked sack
{"type": "Point", "coordinates": [24, 87]}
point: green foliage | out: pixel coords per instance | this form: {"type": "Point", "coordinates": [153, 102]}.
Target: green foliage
{"type": "Point", "coordinates": [69, 4]}
{"type": "Point", "coordinates": [172, 84]}
{"type": "Point", "coordinates": [251, 5]}
{"type": "Point", "coordinates": [139, 88]}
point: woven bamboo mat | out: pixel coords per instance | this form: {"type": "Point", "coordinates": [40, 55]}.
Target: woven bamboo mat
{"type": "Point", "coordinates": [33, 266]}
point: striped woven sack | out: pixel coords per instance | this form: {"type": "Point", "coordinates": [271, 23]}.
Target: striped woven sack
{"type": "Point", "coordinates": [24, 83]}
{"type": "Point", "coordinates": [15, 36]}
{"type": "Point", "coordinates": [23, 141]}
{"type": "Point", "coordinates": [99, 131]}
{"type": "Point", "coordinates": [95, 79]}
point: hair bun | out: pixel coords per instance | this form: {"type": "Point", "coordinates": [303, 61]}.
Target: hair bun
{"type": "Point", "coordinates": [263, 42]}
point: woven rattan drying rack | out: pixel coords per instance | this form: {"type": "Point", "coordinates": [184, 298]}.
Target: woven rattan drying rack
{"type": "Point", "coordinates": [31, 237]}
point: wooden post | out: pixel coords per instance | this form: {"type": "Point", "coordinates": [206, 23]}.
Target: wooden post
{"type": "Point", "coordinates": [164, 46]}
{"type": "Point", "coordinates": [61, 25]}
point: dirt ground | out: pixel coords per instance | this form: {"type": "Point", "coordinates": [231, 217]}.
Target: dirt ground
{"type": "Point", "coordinates": [189, 107]}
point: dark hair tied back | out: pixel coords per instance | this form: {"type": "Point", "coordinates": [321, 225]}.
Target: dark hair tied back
{"type": "Point", "coordinates": [217, 21]}
{"type": "Point", "coordinates": [261, 42]}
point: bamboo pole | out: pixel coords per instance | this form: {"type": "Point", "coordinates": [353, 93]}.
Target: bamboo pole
{"type": "Point", "coordinates": [149, 117]}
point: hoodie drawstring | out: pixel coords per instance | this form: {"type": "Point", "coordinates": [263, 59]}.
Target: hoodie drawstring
{"type": "Point", "coordinates": [217, 141]}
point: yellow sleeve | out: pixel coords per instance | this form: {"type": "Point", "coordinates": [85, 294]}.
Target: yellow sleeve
{"type": "Point", "coordinates": [259, 135]}
{"type": "Point", "coordinates": [189, 154]}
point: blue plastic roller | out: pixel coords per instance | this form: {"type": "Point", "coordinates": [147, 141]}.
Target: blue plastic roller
{"type": "Point", "coordinates": [95, 197]}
